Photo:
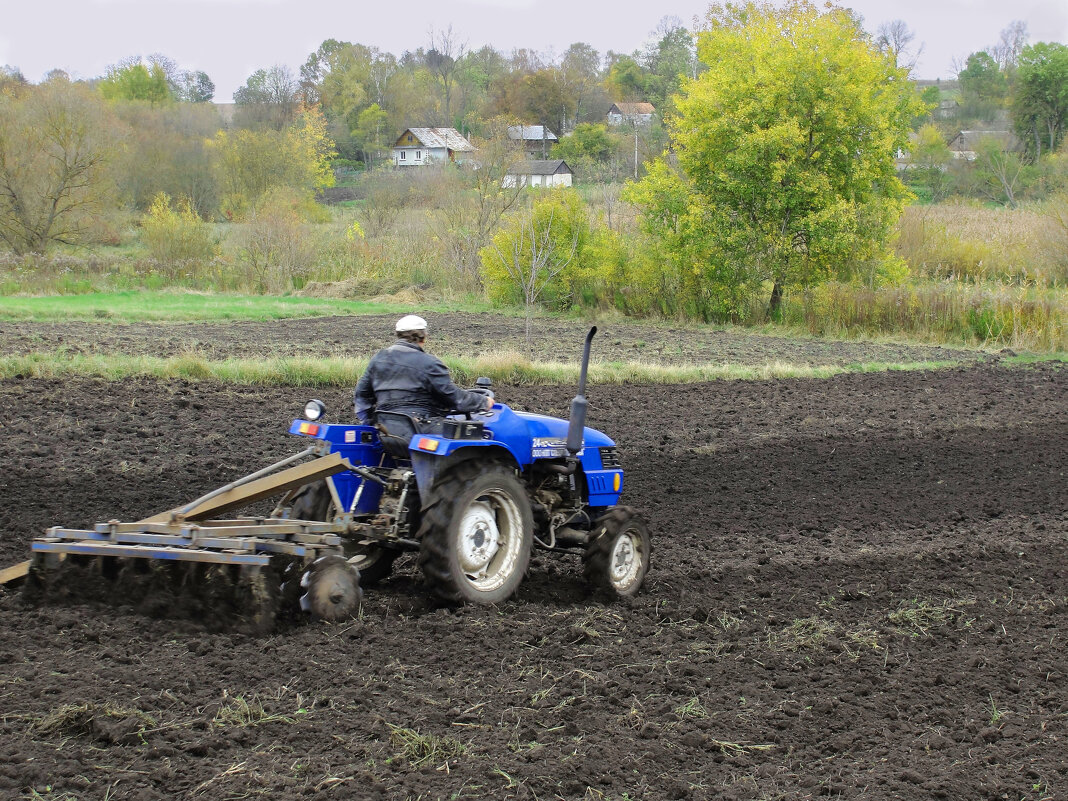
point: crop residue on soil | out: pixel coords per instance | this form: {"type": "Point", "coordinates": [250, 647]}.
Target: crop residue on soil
{"type": "Point", "coordinates": [859, 590]}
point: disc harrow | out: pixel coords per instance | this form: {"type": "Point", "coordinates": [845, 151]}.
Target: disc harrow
{"type": "Point", "coordinates": [236, 572]}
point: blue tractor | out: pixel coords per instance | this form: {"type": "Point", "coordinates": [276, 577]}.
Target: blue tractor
{"type": "Point", "coordinates": [472, 494]}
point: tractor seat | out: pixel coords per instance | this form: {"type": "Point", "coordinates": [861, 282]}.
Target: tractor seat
{"type": "Point", "coordinates": [395, 430]}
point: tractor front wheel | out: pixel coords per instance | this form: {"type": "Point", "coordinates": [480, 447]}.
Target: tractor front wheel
{"type": "Point", "coordinates": [476, 535]}
{"type": "Point", "coordinates": [617, 557]}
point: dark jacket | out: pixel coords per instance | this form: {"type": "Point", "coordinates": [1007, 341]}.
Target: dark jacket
{"type": "Point", "coordinates": [405, 378]}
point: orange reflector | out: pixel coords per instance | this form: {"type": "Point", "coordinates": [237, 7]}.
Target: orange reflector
{"type": "Point", "coordinates": [616, 481]}
{"type": "Point", "coordinates": [428, 444]}
{"type": "Point", "coordinates": [309, 428]}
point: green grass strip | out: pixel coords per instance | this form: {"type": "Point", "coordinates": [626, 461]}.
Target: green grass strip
{"type": "Point", "coordinates": [503, 368]}
{"type": "Point", "coordinates": [148, 306]}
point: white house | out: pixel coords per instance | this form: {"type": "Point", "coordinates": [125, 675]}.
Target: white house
{"type": "Point", "coordinates": [420, 146]}
{"type": "Point", "coordinates": [551, 173]}
{"type": "Point", "coordinates": [537, 139]}
{"type": "Point", "coordinates": [636, 113]}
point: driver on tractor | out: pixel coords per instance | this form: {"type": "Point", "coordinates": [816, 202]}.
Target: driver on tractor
{"type": "Point", "coordinates": [405, 378]}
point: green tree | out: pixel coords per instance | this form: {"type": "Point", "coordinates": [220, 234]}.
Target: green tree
{"type": "Point", "coordinates": [55, 143]}
{"type": "Point", "coordinates": [669, 61]}
{"type": "Point", "coordinates": [930, 160]}
{"type": "Point", "coordinates": [588, 141]}
{"type": "Point", "coordinates": [983, 85]}
{"type": "Point", "coordinates": [195, 87]}
{"type": "Point", "coordinates": [626, 80]}
{"type": "Point", "coordinates": [371, 132]}
{"type": "Point", "coordinates": [137, 81]}
{"type": "Point", "coordinates": [580, 69]}
{"type": "Point", "coordinates": [785, 148]}
{"type": "Point", "coordinates": [592, 151]}
{"type": "Point", "coordinates": [1040, 102]}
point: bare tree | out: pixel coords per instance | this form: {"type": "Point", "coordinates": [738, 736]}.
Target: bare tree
{"type": "Point", "coordinates": [443, 60]}
{"type": "Point", "coordinates": [54, 145]}
{"type": "Point", "coordinates": [467, 223]}
{"type": "Point", "coordinates": [269, 98]}
{"type": "Point", "coordinates": [895, 39]}
{"type": "Point", "coordinates": [1012, 42]}
{"type": "Point", "coordinates": [1000, 170]}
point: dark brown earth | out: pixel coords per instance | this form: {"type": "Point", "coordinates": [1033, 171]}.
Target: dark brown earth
{"type": "Point", "coordinates": [456, 334]}
{"type": "Point", "coordinates": [860, 590]}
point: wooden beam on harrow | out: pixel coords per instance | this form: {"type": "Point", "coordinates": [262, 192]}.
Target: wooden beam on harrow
{"type": "Point", "coordinates": [15, 572]}
{"type": "Point", "coordinates": [256, 490]}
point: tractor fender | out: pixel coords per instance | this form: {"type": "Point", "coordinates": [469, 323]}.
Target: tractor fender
{"type": "Point", "coordinates": [428, 466]}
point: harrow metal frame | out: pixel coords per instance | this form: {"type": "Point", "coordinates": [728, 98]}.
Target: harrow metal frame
{"type": "Point", "coordinates": [186, 534]}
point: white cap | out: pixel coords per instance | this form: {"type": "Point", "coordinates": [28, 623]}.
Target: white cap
{"type": "Point", "coordinates": [411, 322]}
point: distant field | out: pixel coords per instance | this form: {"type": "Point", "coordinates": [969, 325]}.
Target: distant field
{"type": "Point", "coordinates": [181, 306]}
{"type": "Point", "coordinates": [274, 341]}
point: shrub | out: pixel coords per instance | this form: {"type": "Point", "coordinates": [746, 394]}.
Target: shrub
{"type": "Point", "coordinates": [176, 234]}
{"type": "Point", "coordinates": [276, 244]}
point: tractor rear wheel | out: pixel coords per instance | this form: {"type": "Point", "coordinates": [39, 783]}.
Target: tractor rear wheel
{"type": "Point", "coordinates": [313, 502]}
{"type": "Point", "coordinates": [476, 535]}
{"type": "Point", "coordinates": [617, 557]}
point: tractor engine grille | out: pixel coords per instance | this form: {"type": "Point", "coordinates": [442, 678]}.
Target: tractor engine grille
{"type": "Point", "coordinates": [610, 457]}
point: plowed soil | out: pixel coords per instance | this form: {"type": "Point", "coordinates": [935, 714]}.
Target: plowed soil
{"type": "Point", "coordinates": [859, 590]}
{"type": "Point", "coordinates": [456, 334]}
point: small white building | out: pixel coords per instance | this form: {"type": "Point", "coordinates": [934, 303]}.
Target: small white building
{"type": "Point", "coordinates": [537, 139]}
{"type": "Point", "coordinates": [551, 173]}
{"type": "Point", "coordinates": [417, 147]}
{"type": "Point", "coordinates": [635, 113]}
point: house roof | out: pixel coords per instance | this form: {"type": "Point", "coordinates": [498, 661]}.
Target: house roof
{"type": "Point", "coordinates": [541, 167]}
{"type": "Point", "coordinates": [967, 140]}
{"type": "Point", "coordinates": [448, 138]}
{"type": "Point", "coordinates": [633, 108]}
{"type": "Point", "coordinates": [531, 133]}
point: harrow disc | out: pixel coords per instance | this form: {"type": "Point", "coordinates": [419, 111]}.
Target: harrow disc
{"type": "Point", "coordinates": [332, 589]}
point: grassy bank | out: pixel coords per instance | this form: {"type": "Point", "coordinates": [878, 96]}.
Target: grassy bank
{"type": "Point", "coordinates": [137, 306]}
{"type": "Point", "coordinates": [504, 368]}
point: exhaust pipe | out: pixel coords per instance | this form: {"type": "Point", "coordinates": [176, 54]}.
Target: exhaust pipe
{"type": "Point", "coordinates": [578, 404]}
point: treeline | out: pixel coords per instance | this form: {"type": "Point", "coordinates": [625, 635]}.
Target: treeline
{"type": "Point", "coordinates": [766, 183]}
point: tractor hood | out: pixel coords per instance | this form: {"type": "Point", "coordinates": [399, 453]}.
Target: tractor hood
{"type": "Point", "coordinates": [541, 426]}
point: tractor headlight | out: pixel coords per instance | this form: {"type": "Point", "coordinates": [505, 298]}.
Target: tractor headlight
{"type": "Point", "coordinates": [314, 409]}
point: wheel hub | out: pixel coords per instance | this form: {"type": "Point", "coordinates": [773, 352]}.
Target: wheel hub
{"type": "Point", "coordinates": [480, 539]}
{"type": "Point", "coordinates": [624, 562]}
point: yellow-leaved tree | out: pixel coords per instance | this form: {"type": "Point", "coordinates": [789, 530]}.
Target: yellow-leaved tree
{"type": "Point", "coordinates": [785, 149]}
{"type": "Point", "coordinates": [251, 163]}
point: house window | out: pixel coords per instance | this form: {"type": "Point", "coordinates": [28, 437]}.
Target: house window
{"type": "Point", "coordinates": [418, 155]}
{"type": "Point", "coordinates": [404, 155]}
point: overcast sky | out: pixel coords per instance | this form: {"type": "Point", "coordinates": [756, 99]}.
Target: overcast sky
{"type": "Point", "coordinates": [230, 39]}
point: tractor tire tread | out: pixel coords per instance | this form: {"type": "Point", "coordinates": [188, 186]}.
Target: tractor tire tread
{"type": "Point", "coordinates": [434, 552]}
{"type": "Point", "coordinates": [595, 558]}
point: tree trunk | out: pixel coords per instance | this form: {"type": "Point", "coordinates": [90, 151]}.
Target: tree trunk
{"type": "Point", "coordinates": [530, 344]}
{"type": "Point", "coordinates": [775, 304]}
